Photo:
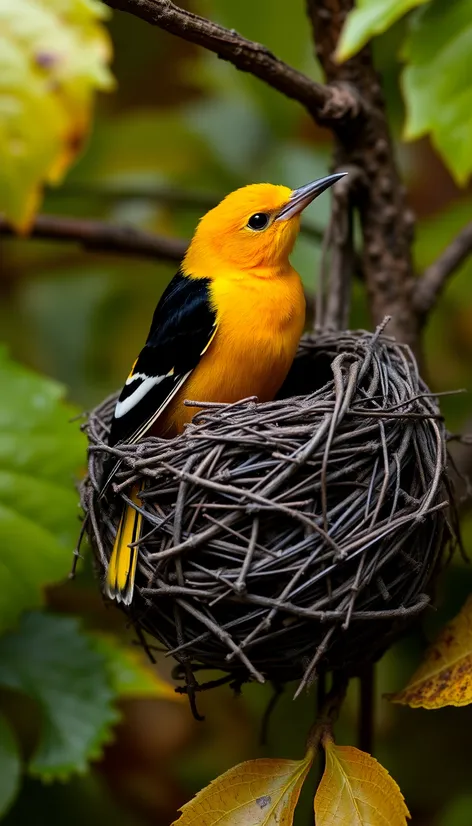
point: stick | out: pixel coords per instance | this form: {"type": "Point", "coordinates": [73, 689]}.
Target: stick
{"type": "Point", "coordinates": [431, 284]}
{"type": "Point", "coordinates": [103, 237]}
{"type": "Point", "coordinates": [325, 103]}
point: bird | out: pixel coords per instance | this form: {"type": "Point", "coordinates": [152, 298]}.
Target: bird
{"type": "Point", "coordinates": [227, 327]}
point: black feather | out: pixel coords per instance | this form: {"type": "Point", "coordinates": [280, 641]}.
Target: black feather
{"type": "Point", "coordinates": [183, 325]}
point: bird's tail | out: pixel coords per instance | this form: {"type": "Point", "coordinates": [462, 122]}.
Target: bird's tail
{"type": "Point", "coordinates": [122, 565]}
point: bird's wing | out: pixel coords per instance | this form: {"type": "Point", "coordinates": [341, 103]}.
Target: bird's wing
{"type": "Point", "coordinates": [182, 329]}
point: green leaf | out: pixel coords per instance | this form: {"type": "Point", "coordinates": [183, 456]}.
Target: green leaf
{"type": "Point", "coordinates": [10, 766]}
{"type": "Point", "coordinates": [40, 453]}
{"type": "Point", "coordinates": [437, 82]}
{"type": "Point", "coordinates": [50, 660]}
{"type": "Point", "coordinates": [370, 17]}
{"type": "Point", "coordinates": [53, 56]}
{"type": "Point", "coordinates": [131, 675]}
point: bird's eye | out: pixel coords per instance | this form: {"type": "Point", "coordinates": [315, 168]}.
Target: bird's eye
{"type": "Point", "coordinates": [258, 221]}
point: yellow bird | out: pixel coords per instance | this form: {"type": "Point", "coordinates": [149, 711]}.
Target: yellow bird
{"type": "Point", "coordinates": [226, 327]}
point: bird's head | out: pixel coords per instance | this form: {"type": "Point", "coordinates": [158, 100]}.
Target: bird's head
{"type": "Point", "coordinates": [253, 228]}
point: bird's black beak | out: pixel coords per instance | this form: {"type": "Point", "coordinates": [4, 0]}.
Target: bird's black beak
{"type": "Point", "coordinates": [304, 195]}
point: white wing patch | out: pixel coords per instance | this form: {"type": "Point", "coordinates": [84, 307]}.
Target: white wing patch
{"type": "Point", "coordinates": [123, 407]}
{"type": "Point", "coordinates": [135, 376]}
{"type": "Point", "coordinates": [147, 425]}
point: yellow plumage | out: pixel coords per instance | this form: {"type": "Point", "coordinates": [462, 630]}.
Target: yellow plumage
{"type": "Point", "coordinates": [257, 301]}
{"type": "Point", "coordinates": [122, 566]}
{"type": "Point", "coordinates": [246, 357]}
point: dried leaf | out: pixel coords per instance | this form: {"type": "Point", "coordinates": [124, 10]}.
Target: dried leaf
{"type": "Point", "coordinates": [53, 56]}
{"type": "Point", "coordinates": [255, 793]}
{"type": "Point", "coordinates": [445, 676]}
{"type": "Point", "coordinates": [356, 790]}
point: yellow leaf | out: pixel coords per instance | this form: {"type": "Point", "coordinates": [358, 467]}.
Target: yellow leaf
{"type": "Point", "coordinates": [256, 793]}
{"type": "Point", "coordinates": [444, 678]}
{"type": "Point", "coordinates": [53, 56]}
{"type": "Point", "coordinates": [356, 790]}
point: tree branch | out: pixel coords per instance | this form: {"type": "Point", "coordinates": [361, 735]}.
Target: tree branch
{"type": "Point", "coordinates": [386, 222]}
{"type": "Point", "coordinates": [327, 104]}
{"type": "Point", "coordinates": [329, 712]}
{"type": "Point", "coordinates": [102, 237]}
{"type": "Point", "coordinates": [432, 282]}
{"type": "Point", "coordinates": [170, 195]}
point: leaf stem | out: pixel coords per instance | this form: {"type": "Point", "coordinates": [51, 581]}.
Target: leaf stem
{"type": "Point", "coordinates": [328, 714]}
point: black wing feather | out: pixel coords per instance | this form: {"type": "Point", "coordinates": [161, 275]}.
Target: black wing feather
{"type": "Point", "coordinates": [182, 327]}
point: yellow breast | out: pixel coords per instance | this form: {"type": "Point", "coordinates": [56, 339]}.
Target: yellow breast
{"type": "Point", "coordinates": [260, 321]}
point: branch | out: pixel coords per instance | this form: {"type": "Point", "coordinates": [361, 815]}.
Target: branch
{"type": "Point", "coordinates": [386, 221]}
{"type": "Point", "coordinates": [170, 195]}
{"type": "Point", "coordinates": [329, 712]}
{"type": "Point", "coordinates": [102, 237]}
{"type": "Point", "coordinates": [327, 104]}
{"type": "Point", "coordinates": [344, 261]}
{"type": "Point", "coordinates": [433, 280]}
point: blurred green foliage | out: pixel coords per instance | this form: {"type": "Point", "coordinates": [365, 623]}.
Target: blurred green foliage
{"type": "Point", "coordinates": [72, 677]}
{"type": "Point", "coordinates": [182, 121]}
{"type": "Point", "coordinates": [10, 765]}
{"type": "Point", "coordinates": [39, 454]}
{"type": "Point", "coordinates": [48, 659]}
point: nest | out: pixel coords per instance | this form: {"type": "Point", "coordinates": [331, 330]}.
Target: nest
{"type": "Point", "coordinates": [291, 537]}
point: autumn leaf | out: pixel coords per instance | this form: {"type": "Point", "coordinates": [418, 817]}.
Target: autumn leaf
{"type": "Point", "coordinates": [255, 793]}
{"type": "Point", "coordinates": [356, 790]}
{"type": "Point", "coordinates": [53, 56]}
{"type": "Point", "coordinates": [444, 678]}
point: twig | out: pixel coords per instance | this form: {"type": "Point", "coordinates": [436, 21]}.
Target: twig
{"type": "Point", "coordinates": [170, 195]}
{"type": "Point", "coordinates": [329, 713]}
{"type": "Point", "coordinates": [343, 257]}
{"type": "Point", "coordinates": [431, 284]}
{"type": "Point", "coordinates": [327, 104]}
{"type": "Point", "coordinates": [103, 237]}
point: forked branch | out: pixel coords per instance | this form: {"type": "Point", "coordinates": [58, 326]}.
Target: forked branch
{"type": "Point", "coordinates": [431, 284]}
{"type": "Point", "coordinates": [327, 104]}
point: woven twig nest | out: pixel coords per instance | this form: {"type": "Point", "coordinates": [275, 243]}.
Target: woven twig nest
{"type": "Point", "coordinates": [285, 538]}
